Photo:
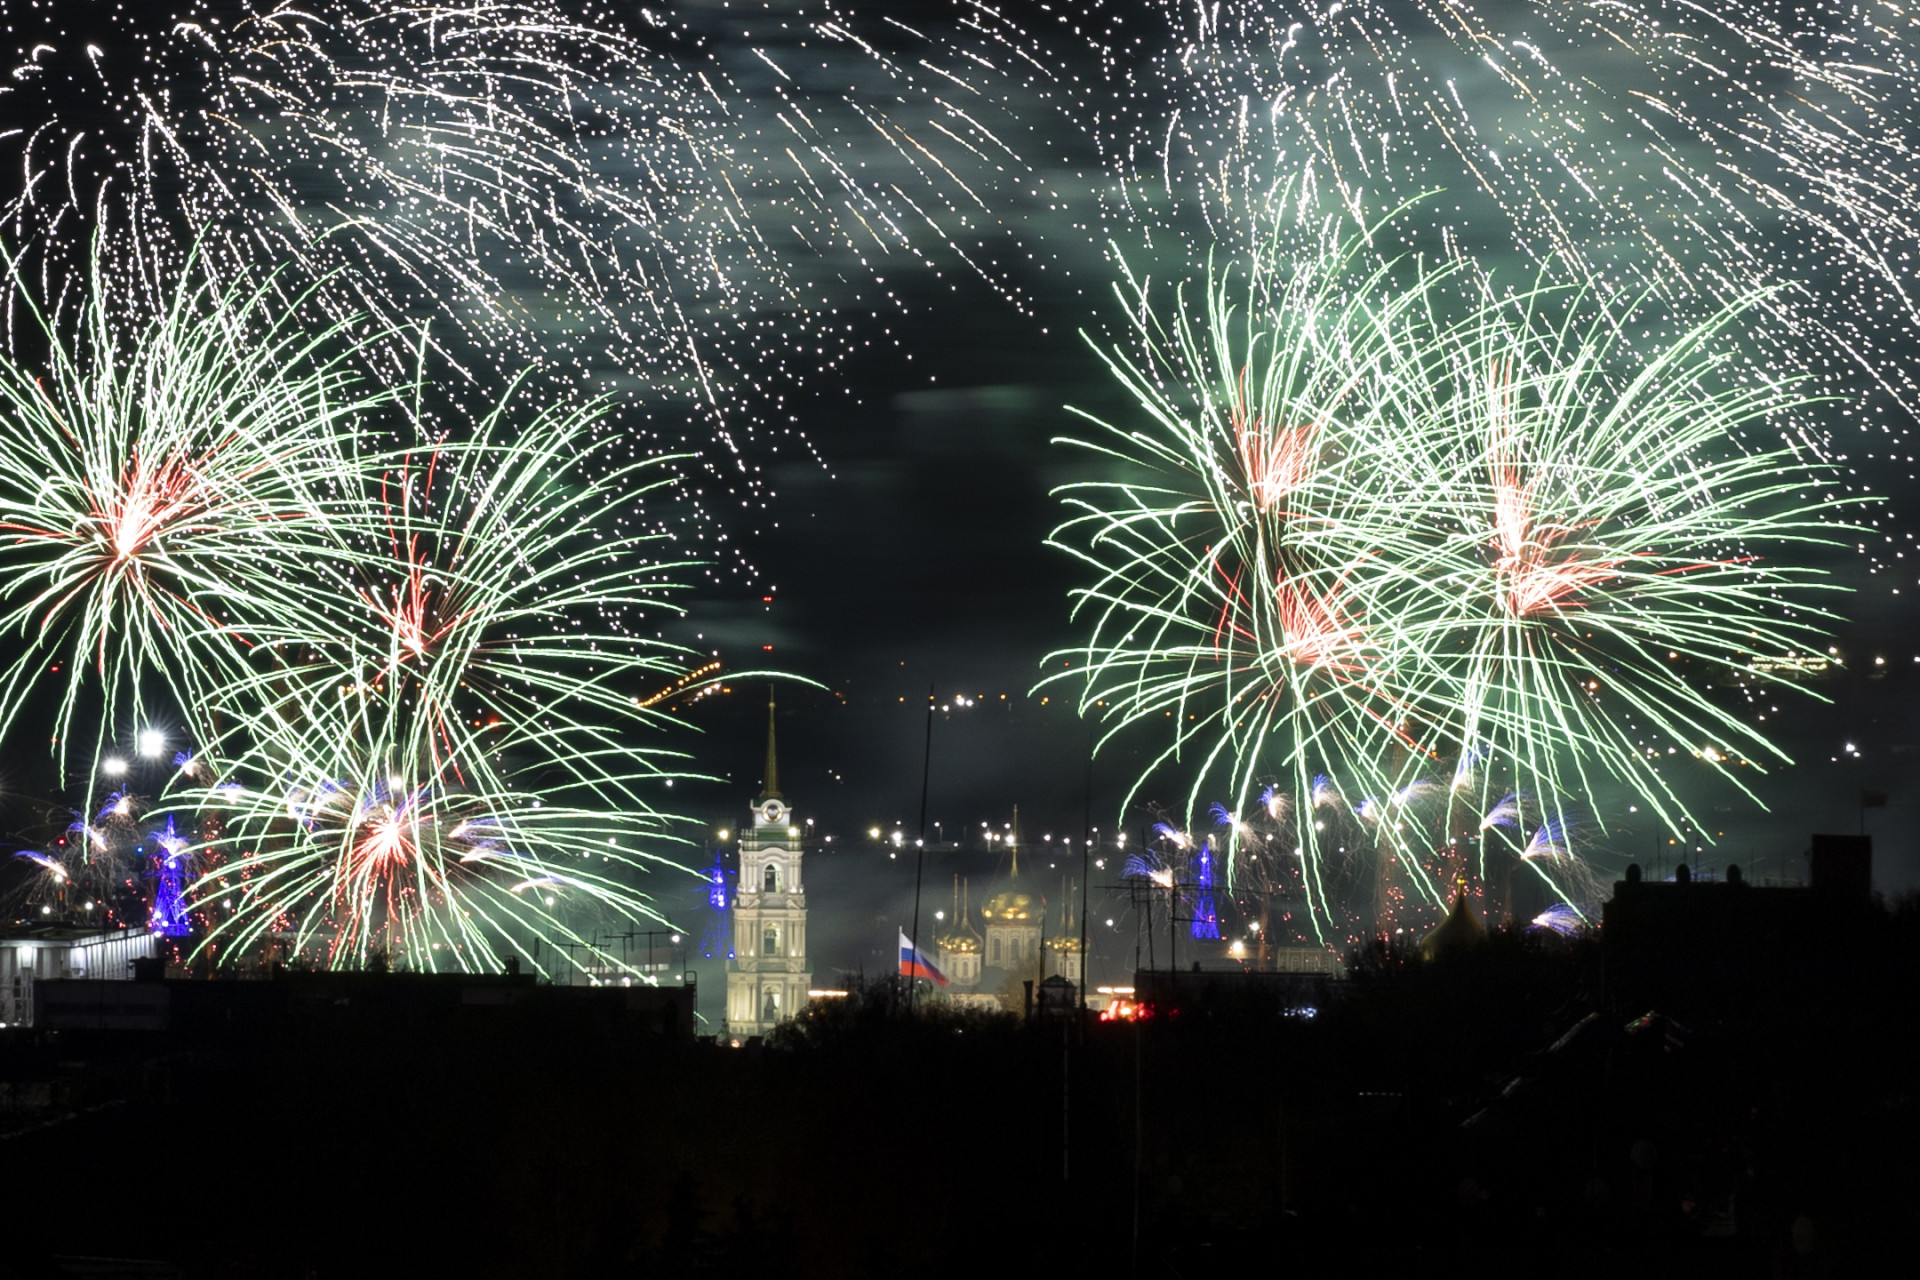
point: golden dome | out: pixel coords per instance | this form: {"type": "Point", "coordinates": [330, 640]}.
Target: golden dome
{"type": "Point", "coordinates": [961, 936]}
{"type": "Point", "coordinates": [1009, 905]}
{"type": "Point", "coordinates": [963, 941]}
{"type": "Point", "coordinates": [1460, 931]}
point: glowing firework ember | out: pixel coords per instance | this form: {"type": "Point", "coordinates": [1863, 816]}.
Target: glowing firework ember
{"type": "Point", "coordinates": [1507, 511]}
{"type": "Point", "coordinates": [1561, 919]}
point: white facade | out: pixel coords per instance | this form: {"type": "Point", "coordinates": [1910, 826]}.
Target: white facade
{"type": "Point", "coordinates": [1066, 958]}
{"type": "Point", "coordinates": [1013, 943]}
{"type": "Point", "coordinates": [961, 944]}
{"type": "Point", "coordinates": [960, 961]}
{"type": "Point", "coordinates": [768, 976]}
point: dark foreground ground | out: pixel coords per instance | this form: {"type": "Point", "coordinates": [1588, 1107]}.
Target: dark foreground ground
{"type": "Point", "coordinates": [1507, 1113]}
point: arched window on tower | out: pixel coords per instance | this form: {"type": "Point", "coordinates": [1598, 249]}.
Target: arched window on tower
{"type": "Point", "coordinates": [772, 879]}
{"type": "Point", "coordinates": [770, 942]}
{"type": "Point", "coordinates": [996, 951]}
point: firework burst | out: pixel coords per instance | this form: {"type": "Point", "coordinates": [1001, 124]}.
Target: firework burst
{"type": "Point", "coordinates": [359, 834]}
{"type": "Point", "coordinates": [453, 765]}
{"type": "Point", "coordinates": [1498, 507]}
{"type": "Point", "coordinates": [498, 590]}
{"type": "Point", "coordinates": [644, 199]}
{"type": "Point", "coordinates": [158, 490]}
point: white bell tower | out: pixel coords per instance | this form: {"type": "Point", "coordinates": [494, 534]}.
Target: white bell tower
{"type": "Point", "coordinates": [768, 976]}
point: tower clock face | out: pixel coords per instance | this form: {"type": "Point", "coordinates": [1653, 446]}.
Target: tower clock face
{"type": "Point", "coordinates": [773, 812]}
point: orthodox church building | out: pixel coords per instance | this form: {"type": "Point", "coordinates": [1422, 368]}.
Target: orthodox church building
{"type": "Point", "coordinates": [1018, 932]}
{"type": "Point", "coordinates": [768, 974]}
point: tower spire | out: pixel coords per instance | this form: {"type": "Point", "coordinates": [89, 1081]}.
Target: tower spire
{"type": "Point", "coordinates": [772, 788]}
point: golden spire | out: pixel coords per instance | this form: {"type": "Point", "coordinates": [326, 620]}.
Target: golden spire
{"type": "Point", "coordinates": [772, 789]}
{"type": "Point", "coordinates": [1014, 843]}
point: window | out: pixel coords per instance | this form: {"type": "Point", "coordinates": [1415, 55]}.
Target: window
{"type": "Point", "coordinates": [772, 879]}
{"type": "Point", "coordinates": [996, 951]}
{"type": "Point", "coordinates": [770, 942]}
{"type": "Point", "coordinates": [770, 1006]}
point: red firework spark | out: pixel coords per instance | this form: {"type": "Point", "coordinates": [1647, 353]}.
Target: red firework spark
{"type": "Point", "coordinates": [1276, 461]}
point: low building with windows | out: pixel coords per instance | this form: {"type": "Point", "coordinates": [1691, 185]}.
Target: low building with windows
{"type": "Point", "coordinates": [40, 953]}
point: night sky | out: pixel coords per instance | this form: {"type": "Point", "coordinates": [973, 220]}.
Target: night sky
{"type": "Point", "coordinates": [901, 546]}
{"type": "Point", "coordinates": [916, 555]}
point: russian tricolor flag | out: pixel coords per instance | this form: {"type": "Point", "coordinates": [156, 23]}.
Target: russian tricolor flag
{"type": "Point", "coordinates": [915, 965]}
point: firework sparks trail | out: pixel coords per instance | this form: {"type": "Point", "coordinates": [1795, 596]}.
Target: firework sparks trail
{"type": "Point", "coordinates": [1508, 811]}
{"type": "Point", "coordinates": [503, 593]}
{"type": "Point", "coordinates": [1397, 859]}
{"type": "Point", "coordinates": [1276, 460]}
{"type": "Point", "coordinates": [157, 489]}
{"type": "Point", "coordinates": [1549, 841]}
{"type": "Point", "coordinates": [1631, 143]}
{"type": "Point", "coordinates": [357, 831]}
{"type": "Point", "coordinates": [455, 766]}
{"type": "Point", "coordinates": [1511, 507]}
{"type": "Point", "coordinates": [1702, 158]}
{"type": "Point", "coordinates": [1532, 579]}
{"type": "Point", "coordinates": [1563, 919]}
{"type": "Point", "coordinates": [616, 195]}
{"type": "Point", "coordinates": [468, 612]}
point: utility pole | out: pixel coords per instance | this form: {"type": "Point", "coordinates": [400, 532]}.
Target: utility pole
{"type": "Point", "coordinates": [1086, 854]}
{"type": "Point", "coordinates": [920, 846]}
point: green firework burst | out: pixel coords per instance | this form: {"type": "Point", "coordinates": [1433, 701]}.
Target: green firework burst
{"type": "Point", "coordinates": [1378, 520]}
